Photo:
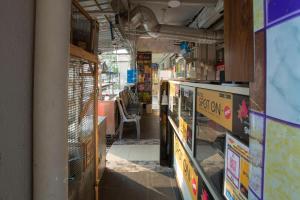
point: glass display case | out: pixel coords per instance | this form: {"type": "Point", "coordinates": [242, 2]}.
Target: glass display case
{"type": "Point", "coordinates": [218, 114]}
{"type": "Point", "coordinates": [210, 149]}
{"type": "Point", "coordinates": [191, 61]}
{"type": "Point", "coordinates": [191, 70]}
{"type": "Point", "coordinates": [187, 115]}
{"type": "Point", "coordinates": [174, 102]}
{"type": "Point", "coordinates": [180, 69]}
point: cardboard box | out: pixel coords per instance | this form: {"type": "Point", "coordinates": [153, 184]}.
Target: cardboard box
{"type": "Point", "coordinates": [149, 108]}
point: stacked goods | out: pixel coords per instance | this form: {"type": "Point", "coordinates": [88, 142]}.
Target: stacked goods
{"type": "Point", "coordinates": [144, 60]}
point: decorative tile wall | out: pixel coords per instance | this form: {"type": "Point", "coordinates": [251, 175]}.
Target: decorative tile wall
{"type": "Point", "coordinates": [256, 154]}
{"type": "Point", "coordinates": [282, 161]}
{"type": "Point", "coordinates": [275, 102]}
{"type": "Point", "coordinates": [257, 87]}
{"type": "Point", "coordinates": [258, 14]}
{"type": "Point", "coordinates": [278, 10]}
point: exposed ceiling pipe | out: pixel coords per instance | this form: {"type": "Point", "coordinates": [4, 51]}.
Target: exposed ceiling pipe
{"type": "Point", "coordinates": [144, 16]}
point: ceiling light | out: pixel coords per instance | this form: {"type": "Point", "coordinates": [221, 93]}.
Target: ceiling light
{"type": "Point", "coordinates": [174, 3]}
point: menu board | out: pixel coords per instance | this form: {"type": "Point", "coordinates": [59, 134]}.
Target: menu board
{"type": "Point", "coordinates": [183, 167]}
{"type": "Point", "coordinates": [236, 182]}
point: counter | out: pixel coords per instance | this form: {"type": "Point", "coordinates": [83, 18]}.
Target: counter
{"type": "Point", "coordinates": [202, 117]}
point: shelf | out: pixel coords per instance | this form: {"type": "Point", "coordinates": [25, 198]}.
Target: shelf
{"type": "Point", "coordinates": [106, 85]}
{"type": "Point", "coordinates": [109, 72]}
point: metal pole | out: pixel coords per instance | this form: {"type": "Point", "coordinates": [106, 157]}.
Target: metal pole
{"type": "Point", "coordinates": [50, 155]}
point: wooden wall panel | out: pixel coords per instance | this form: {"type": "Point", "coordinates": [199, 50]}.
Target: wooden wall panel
{"type": "Point", "coordinates": [238, 39]}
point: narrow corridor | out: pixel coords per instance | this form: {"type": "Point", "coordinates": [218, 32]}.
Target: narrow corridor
{"type": "Point", "coordinates": [133, 170]}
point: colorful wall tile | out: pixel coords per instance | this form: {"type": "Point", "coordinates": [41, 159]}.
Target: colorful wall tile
{"type": "Point", "coordinates": [258, 14]}
{"type": "Point", "coordinates": [283, 71]}
{"type": "Point", "coordinates": [256, 145]}
{"type": "Point", "coordinates": [274, 102]}
{"type": "Point", "coordinates": [257, 87]}
{"type": "Point", "coordinates": [282, 161]}
{"type": "Point", "coordinates": [280, 9]}
{"type": "Point", "coordinates": [252, 196]}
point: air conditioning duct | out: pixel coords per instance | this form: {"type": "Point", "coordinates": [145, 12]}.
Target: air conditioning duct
{"type": "Point", "coordinates": [142, 16]}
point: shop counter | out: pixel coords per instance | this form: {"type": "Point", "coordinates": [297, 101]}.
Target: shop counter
{"type": "Point", "coordinates": [213, 122]}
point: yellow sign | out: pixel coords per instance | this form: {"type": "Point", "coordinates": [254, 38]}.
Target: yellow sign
{"type": "Point", "coordinates": [236, 170]}
{"type": "Point", "coordinates": [185, 165]}
{"type": "Point", "coordinates": [172, 90]}
{"type": "Point", "coordinates": [215, 105]}
{"type": "Point", "coordinates": [244, 174]}
{"type": "Point", "coordinates": [183, 127]}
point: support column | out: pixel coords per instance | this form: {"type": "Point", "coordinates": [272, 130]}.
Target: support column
{"type": "Point", "coordinates": [50, 154]}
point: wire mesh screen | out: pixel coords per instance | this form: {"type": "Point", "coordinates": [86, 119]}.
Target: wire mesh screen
{"type": "Point", "coordinates": [80, 124]}
{"type": "Point", "coordinates": [81, 29]}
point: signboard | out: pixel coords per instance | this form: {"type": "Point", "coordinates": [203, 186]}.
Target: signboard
{"type": "Point", "coordinates": [183, 128]}
{"type": "Point", "coordinates": [236, 170]}
{"type": "Point", "coordinates": [215, 105]}
{"type": "Point", "coordinates": [185, 168]}
{"type": "Point", "coordinates": [172, 89]}
{"type": "Point", "coordinates": [204, 193]}
{"type": "Point", "coordinates": [228, 110]}
{"type": "Point", "coordinates": [240, 117]}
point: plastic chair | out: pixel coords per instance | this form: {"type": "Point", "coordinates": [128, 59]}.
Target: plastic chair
{"type": "Point", "coordinates": [125, 118]}
{"type": "Point", "coordinates": [130, 102]}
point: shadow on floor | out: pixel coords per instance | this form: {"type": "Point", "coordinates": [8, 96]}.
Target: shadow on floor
{"type": "Point", "coordinates": [144, 185]}
{"type": "Point", "coordinates": [153, 183]}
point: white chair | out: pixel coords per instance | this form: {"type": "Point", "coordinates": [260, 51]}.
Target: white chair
{"type": "Point", "coordinates": [127, 118]}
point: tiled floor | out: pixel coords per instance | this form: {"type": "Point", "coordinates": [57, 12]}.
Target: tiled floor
{"type": "Point", "coordinates": [134, 152]}
{"type": "Point", "coordinates": [133, 171]}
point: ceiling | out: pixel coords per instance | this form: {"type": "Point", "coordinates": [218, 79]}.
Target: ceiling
{"type": "Point", "coordinates": [102, 11]}
{"type": "Point", "coordinates": [181, 15]}
{"type": "Point", "coordinates": [191, 13]}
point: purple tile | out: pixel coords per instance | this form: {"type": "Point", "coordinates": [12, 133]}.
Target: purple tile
{"type": "Point", "coordinates": [280, 9]}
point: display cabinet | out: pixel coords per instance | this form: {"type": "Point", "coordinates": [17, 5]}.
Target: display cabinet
{"type": "Point", "coordinates": [180, 68]}
{"type": "Point", "coordinates": [174, 102]}
{"type": "Point", "coordinates": [218, 114]}
{"type": "Point", "coordinates": [187, 115]}
{"type": "Point", "coordinates": [191, 63]}
{"type": "Point", "coordinates": [211, 123]}
{"type": "Point", "coordinates": [210, 149]}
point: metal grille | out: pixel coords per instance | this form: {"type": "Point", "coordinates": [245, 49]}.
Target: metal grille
{"type": "Point", "coordinates": [80, 121]}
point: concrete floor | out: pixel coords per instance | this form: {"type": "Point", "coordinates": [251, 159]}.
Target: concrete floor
{"type": "Point", "coordinates": [133, 171]}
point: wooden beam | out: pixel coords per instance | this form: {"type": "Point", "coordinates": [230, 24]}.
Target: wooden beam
{"type": "Point", "coordinates": [86, 74]}
{"type": "Point", "coordinates": [81, 53]}
{"type": "Point", "coordinates": [96, 134]}
{"type": "Point", "coordinates": [81, 9]}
